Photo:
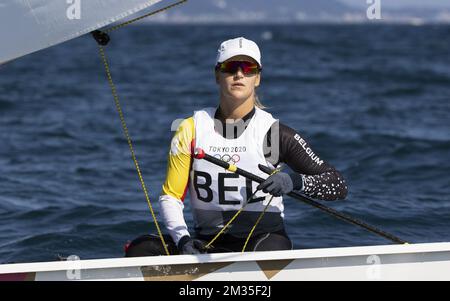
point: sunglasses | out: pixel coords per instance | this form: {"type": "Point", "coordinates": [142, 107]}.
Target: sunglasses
{"type": "Point", "coordinates": [233, 66]}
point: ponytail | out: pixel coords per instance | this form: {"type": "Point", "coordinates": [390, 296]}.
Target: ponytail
{"type": "Point", "coordinates": [258, 103]}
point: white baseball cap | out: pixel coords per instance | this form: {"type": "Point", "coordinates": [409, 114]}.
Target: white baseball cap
{"type": "Point", "coordinates": [238, 46]}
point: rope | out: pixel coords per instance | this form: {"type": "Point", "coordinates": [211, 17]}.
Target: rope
{"type": "Point", "coordinates": [102, 39]}
{"type": "Point", "coordinates": [256, 224]}
{"type": "Point", "coordinates": [260, 216]}
{"type": "Point", "coordinates": [230, 221]}
{"type": "Point", "coordinates": [239, 212]}
{"type": "Point", "coordinates": [130, 144]}
{"type": "Point", "coordinates": [144, 16]}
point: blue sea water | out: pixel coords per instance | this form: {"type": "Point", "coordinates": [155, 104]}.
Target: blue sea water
{"type": "Point", "coordinates": [374, 101]}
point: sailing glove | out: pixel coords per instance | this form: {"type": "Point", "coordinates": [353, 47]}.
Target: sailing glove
{"type": "Point", "coordinates": [278, 183]}
{"type": "Point", "coordinates": [188, 245]}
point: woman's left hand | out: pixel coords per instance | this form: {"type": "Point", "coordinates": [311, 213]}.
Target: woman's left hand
{"type": "Point", "coordinates": [277, 184]}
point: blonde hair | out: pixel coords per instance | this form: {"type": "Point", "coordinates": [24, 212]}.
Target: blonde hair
{"type": "Point", "coordinates": [258, 103]}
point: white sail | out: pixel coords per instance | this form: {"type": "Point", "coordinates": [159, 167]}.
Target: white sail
{"type": "Point", "coordinates": [27, 26]}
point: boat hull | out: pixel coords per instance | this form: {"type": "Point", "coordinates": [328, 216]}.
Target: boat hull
{"type": "Point", "coordinates": [392, 262]}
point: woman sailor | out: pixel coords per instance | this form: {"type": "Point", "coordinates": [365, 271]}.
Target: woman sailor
{"type": "Point", "coordinates": [238, 131]}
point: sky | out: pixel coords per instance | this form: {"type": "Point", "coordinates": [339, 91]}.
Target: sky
{"type": "Point", "coordinates": [403, 3]}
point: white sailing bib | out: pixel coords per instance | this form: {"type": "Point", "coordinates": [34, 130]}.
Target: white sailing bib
{"type": "Point", "coordinates": [215, 191]}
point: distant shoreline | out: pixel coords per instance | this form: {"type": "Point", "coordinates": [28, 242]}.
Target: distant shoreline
{"type": "Point", "coordinates": [258, 23]}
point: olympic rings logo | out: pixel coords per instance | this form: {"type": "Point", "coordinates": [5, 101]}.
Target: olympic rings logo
{"type": "Point", "coordinates": [227, 158]}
